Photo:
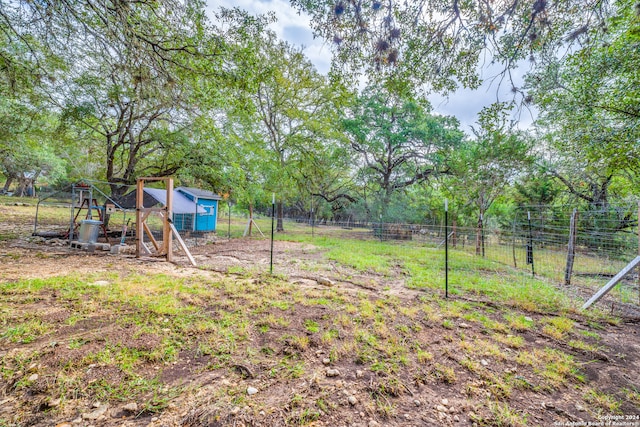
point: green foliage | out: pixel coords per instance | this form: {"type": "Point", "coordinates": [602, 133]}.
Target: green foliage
{"type": "Point", "coordinates": [589, 108]}
{"type": "Point", "coordinates": [491, 160]}
{"type": "Point", "coordinates": [399, 143]}
{"type": "Point", "coordinates": [442, 44]}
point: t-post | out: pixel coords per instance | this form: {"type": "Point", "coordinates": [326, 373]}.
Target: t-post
{"type": "Point", "coordinates": [530, 248]}
{"type": "Point", "coordinates": [273, 216]}
{"type": "Point", "coordinates": [446, 248]}
{"type": "Point", "coordinates": [229, 224]}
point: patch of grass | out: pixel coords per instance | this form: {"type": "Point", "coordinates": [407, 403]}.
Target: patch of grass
{"type": "Point", "coordinates": [311, 326]}
{"type": "Point", "coordinates": [553, 366]}
{"type": "Point", "coordinates": [633, 395]}
{"type": "Point", "coordinates": [499, 389]}
{"type": "Point", "coordinates": [557, 327]}
{"type": "Point", "coordinates": [4, 236]}
{"type": "Point", "coordinates": [488, 348]}
{"type": "Point", "coordinates": [297, 342]}
{"type": "Point", "coordinates": [581, 345]}
{"type": "Point", "coordinates": [307, 416]}
{"type": "Point", "coordinates": [502, 415]}
{"type": "Point", "coordinates": [26, 332]}
{"type": "Point", "coordinates": [471, 365]}
{"type": "Point", "coordinates": [602, 401]}
{"type": "Point", "coordinates": [76, 343]}
{"type": "Point", "coordinates": [295, 370]}
{"type": "Point", "coordinates": [431, 313]}
{"type": "Point", "coordinates": [590, 334]}
{"type": "Point", "coordinates": [423, 357]}
{"type": "Point", "coordinates": [329, 336]}
{"type": "Point", "coordinates": [384, 408]}
{"type": "Point", "coordinates": [364, 256]}
{"type": "Point", "coordinates": [512, 341]}
{"type": "Point", "coordinates": [443, 373]}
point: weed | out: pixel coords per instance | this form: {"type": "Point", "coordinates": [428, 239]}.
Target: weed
{"type": "Point", "coordinates": [470, 365]}
{"type": "Point", "coordinates": [384, 408]}
{"type": "Point", "coordinates": [518, 322]}
{"type": "Point", "coordinates": [424, 357]}
{"type": "Point", "coordinates": [557, 327]}
{"type": "Point", "coordinates": [602, 401]}
{"type": "Point", "coordinates": [26, 332]}
{"type": "Point", "coordinates": [590, 334]}
{"type": "Point", "coordinates": [512, 341]}
{"type": "Point", "coordinates": [581, 345]}
{"type": "Point", "coordinates": [502, 415]}
{"type": "Point", "coordinates": [311, 326]}
{"type": "Point", "coordinates": [633, 395]}
{"type": "Point", "coordinates": [329, 336]}
{"type": "Point", "coordinates": [444, 373]}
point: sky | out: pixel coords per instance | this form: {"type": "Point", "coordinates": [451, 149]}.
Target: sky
{"type": "Point", "coordinates": [295, 28]}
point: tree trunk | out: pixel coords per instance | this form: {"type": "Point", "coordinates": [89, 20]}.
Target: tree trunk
{"type": "Point", "coordinates": [250, 219]}
{"type": "Point", "coordinates": [479, 235]}
{"type": "Point", "coordinates": [7, 184]}
{"type": "Point", "coordinates": [22, 186]}
{"type": "Point", "coordinates": [280, 215]}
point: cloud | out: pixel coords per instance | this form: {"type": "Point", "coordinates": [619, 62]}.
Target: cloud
{"type": "Point", "coordinates": [291, 26]}
{"type": "Point", "coordinates": [294, 27]}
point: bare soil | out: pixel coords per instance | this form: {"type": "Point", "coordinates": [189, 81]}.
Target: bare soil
{"type": "Point", "coordinates": [419, 394]}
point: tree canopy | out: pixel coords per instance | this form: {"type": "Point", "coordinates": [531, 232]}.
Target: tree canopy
{"type": "Point", "coordinates": [115, 90]}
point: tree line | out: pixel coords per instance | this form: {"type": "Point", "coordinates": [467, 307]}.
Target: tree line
{"type": "Point", "coordinates": [117, 89]}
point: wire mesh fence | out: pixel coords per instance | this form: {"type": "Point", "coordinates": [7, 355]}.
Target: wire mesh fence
{"type": "Point", "coordinates": [580, 250]}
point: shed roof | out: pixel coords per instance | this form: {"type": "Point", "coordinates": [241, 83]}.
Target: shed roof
{"type": "Point", "coordinates": [153, 196]}
{"type": "Point", "coordinates": [199, 193]}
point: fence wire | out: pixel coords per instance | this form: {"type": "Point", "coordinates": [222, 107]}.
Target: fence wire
{"type": "Point", "coordinates": [534, 241]}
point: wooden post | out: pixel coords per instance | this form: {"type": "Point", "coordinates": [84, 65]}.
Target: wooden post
{"type": "Point", "coordinates": [139, 206]}
{"type": "Point", "coordinates": [571, 247]}
{"type": "Point", "coordinates": [142, 214]}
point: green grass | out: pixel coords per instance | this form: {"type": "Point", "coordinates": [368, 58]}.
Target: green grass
{"type": "Point", "coordinates": [424, 266]}
{"type": "Point", "coordinates": [25, 332]}
{"type": "Point", "coordinates": [264, 321]}
{"type": "Point", "coordinates": [603, 402]}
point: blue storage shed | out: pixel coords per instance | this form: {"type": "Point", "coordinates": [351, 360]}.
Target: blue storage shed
{"type": "Point", "coordinates": [206, 206]}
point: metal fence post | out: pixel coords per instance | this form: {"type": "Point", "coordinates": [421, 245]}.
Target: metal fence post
{"type": "Point", "coordinates": [571, 247]}
{"type": "Point", "coordinates": [446, 248]}
{"type": "Point", "coordinates": [273, 217]}
{"type": "Point", "coordinates": [530, 247]}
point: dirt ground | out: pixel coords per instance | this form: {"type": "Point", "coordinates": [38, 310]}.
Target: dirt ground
{"type": "Point", "coordinates": [420, 395]}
